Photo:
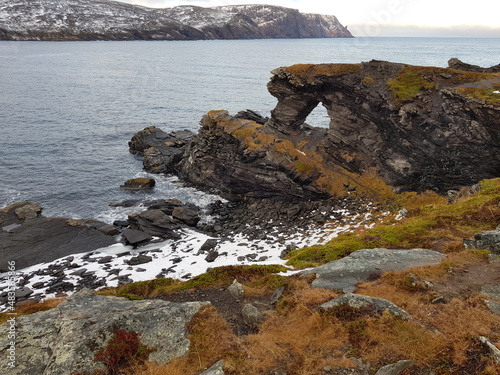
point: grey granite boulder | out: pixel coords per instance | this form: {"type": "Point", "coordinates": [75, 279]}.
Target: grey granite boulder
{"type": "Point", "coordinates": [216, 369]}
{"type": "Point", "coordinates": [64, 340]}
{"type": "Point", "coordinates": [345, 273]}
{"type": "Point", "coordinates": [395, 368]}
{"type": "Point", "coordinates": [378, 305]}
{"type": "Point", "coordinates": [252, 316]}
{"type": "Point", "coordinates": [487, 240]}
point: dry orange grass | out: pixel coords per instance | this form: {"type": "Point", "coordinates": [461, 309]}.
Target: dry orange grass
{"type": "Point", "coordinates": [302, 342]}
{"type": "Point", "coordinates": [210, 340]}
{"type": "Point", "coordinates": [31, 308]}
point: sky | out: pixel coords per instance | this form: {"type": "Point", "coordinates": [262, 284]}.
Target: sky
{"type": "Point", "coordinates": [449, 18]}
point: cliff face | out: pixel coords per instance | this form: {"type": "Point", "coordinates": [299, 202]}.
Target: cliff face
{"type": "Point", "coordinates": [393, 127]}
{"type": "Point", "coordinates": [108, 20]}
{"type": "Point", "coordinates": [419, 127]}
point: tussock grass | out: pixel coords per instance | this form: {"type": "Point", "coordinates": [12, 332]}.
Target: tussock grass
{"type": "Point", "coordinates": [486, 95]}
{"type": "Point", "coordinates": [210, 339]}
{"type": "Point", "coordinates": [309, 72]}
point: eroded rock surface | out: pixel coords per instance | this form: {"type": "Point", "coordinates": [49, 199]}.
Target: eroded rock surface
{"type": "Point", "coordinates": [345, 273]}
{"type": "Point", "coordinates": [26, 236]}
{"type": "Point", "coordinates": [392, 126]}
{"type": "Point", "coordinates": [51, 342]}
{"type": "Point", "coordinates": [371, 304]}
{"type": "Point", "coordinates": [419, 127]}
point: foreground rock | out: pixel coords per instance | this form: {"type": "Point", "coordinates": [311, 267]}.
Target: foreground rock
{"type": "Point", "coordinates": [26, 237]}
{"type": "Point", "coordinates": [51, 342]}
{"type": "Point", "coordinates": [366, 303]}
{"type": "Point", "coordinates": [487, 240]}
{"type": "Point", "coordinates": [345, 273]}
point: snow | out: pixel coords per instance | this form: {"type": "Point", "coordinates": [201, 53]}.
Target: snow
{"type": "Point", "coordinates": [181, 256]}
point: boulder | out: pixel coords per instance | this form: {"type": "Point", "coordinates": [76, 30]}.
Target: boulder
{"type": "Point", "coordinates": [236, 289]}
{"type": "Point", "coordinates": [154, 222]}
{"type": "Point", "coordinates": [135, 237]}
{"type": "Point", "coordinates": [494, 351]}
{"type": "Point", "coordinates": [28, 211]}
{"type": "Point", "coordinates": [140, 259]}
{"type": "Point", "coordinates": [395, 368]}
{"type": "Point", "coordinates": [487, 240]}
{"type": "Point", "coordinates": [208, 245]}
{"type": "Point", "coordinates": [345, 273]}
{"type": "Point", "coordinates": [216, 369]}
{"type": "Point", "coordinates": [186, 215]}
{"type": "Point", "coordinates": [252, 316]}
{"type": "Point", "coordinates": [373, 304]}
{"type": "Point", "coordinates": [162, 151]}
{"type": "Point", "coordinates": [51, 342]}
{"type": "Point", "coordinates": [212, 256]}
{"type": "Point", "coordinates": [141, 183]}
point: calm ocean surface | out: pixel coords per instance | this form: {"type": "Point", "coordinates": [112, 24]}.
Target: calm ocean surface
{"type": "Point", "coordinates": [68, 109]}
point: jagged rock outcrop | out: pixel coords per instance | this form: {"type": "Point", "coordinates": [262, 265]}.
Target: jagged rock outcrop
{"type": "Point", "coordinates": [26, 236]}
{"type": "Point", "coordinates": [51, 342]}
{"type": "Point", "coordinates": [112, 20]}
{"type": "Point", "coordinates": [419, 127]}
{"type": "Point", "coordinates": [455, 63]}
{"type": "Point", "coordinates": [487, 240]}
{"type": "Point", "coordinates": [392, 126]}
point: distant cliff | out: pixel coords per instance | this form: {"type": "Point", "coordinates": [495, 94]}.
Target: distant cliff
{"type": "Point", "coordinates": [111, 20]}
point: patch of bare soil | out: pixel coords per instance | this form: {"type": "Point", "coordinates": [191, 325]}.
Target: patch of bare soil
{"type": "Point", "coordinates": [229, 307]}
{"type": "Point", "coordinates": [468, 281]}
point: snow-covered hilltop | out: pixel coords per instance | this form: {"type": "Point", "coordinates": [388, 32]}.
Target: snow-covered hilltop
{"type": "Point", "coordinates": [109, 20]}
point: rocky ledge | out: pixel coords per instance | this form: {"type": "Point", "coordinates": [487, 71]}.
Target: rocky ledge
{"type": "Point", "coordinates": [392, 127]}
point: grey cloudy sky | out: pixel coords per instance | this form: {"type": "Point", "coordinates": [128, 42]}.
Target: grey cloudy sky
{"type": "Point", "coordinates": [478, 18]}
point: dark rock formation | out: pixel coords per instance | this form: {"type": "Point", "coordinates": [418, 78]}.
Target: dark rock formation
{"type": "Point", "coordinates": [228, 155]}
{"type": "Point", "coordinates": [460, 65]}
{"type": "Point", "coordinates": [111, 20]}
{"type": "Point", "coordinates": [37, 239]}
{"type": "Point", "coordinates": [419, 127]}
{"type": "Point", "coordinates": [392, 126]}
{"type": "Point", "coordinates": [161, 150]}
{"type": "Point", "coordinates": [139, 184]}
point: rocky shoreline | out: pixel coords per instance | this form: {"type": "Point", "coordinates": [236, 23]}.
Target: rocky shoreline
{"type": "Point", "coordinates": [281, 180]}
{"type": "Point", "coordinates": [285, 185]}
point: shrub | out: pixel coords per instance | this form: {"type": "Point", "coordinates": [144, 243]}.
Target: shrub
{"type": "Point", "coordinates": [122, 351]}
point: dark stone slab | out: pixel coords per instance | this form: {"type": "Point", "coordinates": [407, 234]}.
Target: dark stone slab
{"type": "Point", "coordinates": [42, 239]}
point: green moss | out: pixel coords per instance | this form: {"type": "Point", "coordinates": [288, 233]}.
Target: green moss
{"type": "Point", "coordinates": [487, 95]}
{"type": "Point", "coordinates": [337, 248]}
{"type": "Point", "coordinates": [433, 226]}
{"type": "Point", "coordinates": [215, 277]}
{"type": "Point", "coordinates": [408, 84]}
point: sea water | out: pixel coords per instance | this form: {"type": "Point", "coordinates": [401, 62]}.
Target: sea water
{"type": "Point", "coordinates": [68, 109]}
